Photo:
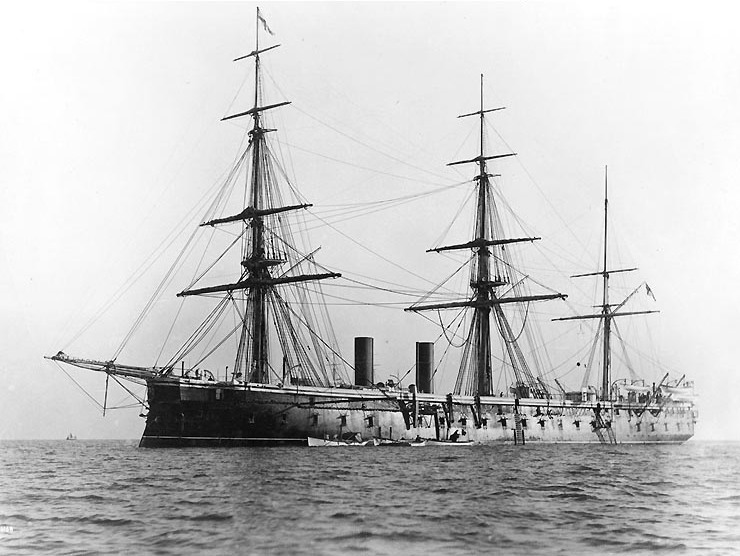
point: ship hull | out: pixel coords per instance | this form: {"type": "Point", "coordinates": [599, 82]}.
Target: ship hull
{"type": "Point", "coordinates": [186, 412]}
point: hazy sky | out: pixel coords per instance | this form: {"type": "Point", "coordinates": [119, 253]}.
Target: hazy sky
{"type": "Point", "coordinates": [111, 135]}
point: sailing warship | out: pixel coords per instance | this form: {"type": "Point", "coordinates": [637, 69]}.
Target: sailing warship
{"type": "Point", "coordinates": [289, 383]}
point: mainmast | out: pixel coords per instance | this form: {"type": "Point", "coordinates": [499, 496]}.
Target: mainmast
{"type": "Point", "coordinates": [489, 273]}
{"type": "Point", "coordinates": [252, 263]}
{"type": "Point", "coordinates": [607, 356]}
{"type": "Point", "coordinates": [607, 314]}
{"type": "Point", "coordinates": [483, 292]}
{"type": "Point", "coordinates": [258, 255]}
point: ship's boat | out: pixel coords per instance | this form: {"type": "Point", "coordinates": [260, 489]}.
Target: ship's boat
{"type": "Point", "coordinates": [328, 443]}
{"type": "Point", "coordinates": [637, 388]}
{"type": "Point", "coordinates": [450, 443]}
{"type": "Point", "coordinates": [288, 382]}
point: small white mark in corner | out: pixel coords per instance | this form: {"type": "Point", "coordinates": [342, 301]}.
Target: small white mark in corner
{"type": "Point", "coordinates": [5, 530]}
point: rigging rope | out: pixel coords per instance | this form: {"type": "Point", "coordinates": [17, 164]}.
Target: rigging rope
{"type": "Point", "coordinates": [444, 329]}
{"type": "Point", "coordinates": [438, 286]}
{"type": "Point", "coordinates": [401, 161]}
{"type": "Point", "coordinates": [180, 257]}
{"type": "Point", "coordinates": [96, 402]}
{"type": "Point", "coordinates": [539, 189]}
{"type": "Point", "coordinates": [371, 251]}
{"type": "Point", "coordinates": [524, 325]}
{"type": "Point", "coordinates": [463, 204]}
{"type": "Point", "coordinates": [368, 168]}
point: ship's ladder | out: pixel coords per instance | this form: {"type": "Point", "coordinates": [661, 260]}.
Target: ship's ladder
{"type": "Point", "coordinates": [518, 430]}
{"type": "Point", "coordinates": [600, 435]}
{"type": "Point", "coordinates": [611, 435]}
{"type": "Point", "coordinates": [599, 426]}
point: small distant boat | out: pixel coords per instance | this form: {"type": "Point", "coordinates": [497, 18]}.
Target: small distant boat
{"type": "Point", "coordinates": [71, 436]}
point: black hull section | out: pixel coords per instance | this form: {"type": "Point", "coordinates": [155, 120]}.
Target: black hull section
{"type": "Point", "coordinates": [194, 413]}
{"type": "Point", "coordinates": [216, 442]}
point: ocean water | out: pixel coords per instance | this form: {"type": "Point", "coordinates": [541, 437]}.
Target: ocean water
{"type": "Point", "coordinates": [110, 497]}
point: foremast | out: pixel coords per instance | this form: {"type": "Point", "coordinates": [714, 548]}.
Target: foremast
{"type": "Point", "coordinates": [260, 261]}
{"type": "Point", "coordinates": [607, 315]}
{"type": "Point", "coordinates": [489, 273]}
{"type": "Point", "coordinates": [268, 260]}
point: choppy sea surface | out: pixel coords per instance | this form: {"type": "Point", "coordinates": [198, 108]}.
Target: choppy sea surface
{"type": "Point", "coordinates": [111, 497]}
